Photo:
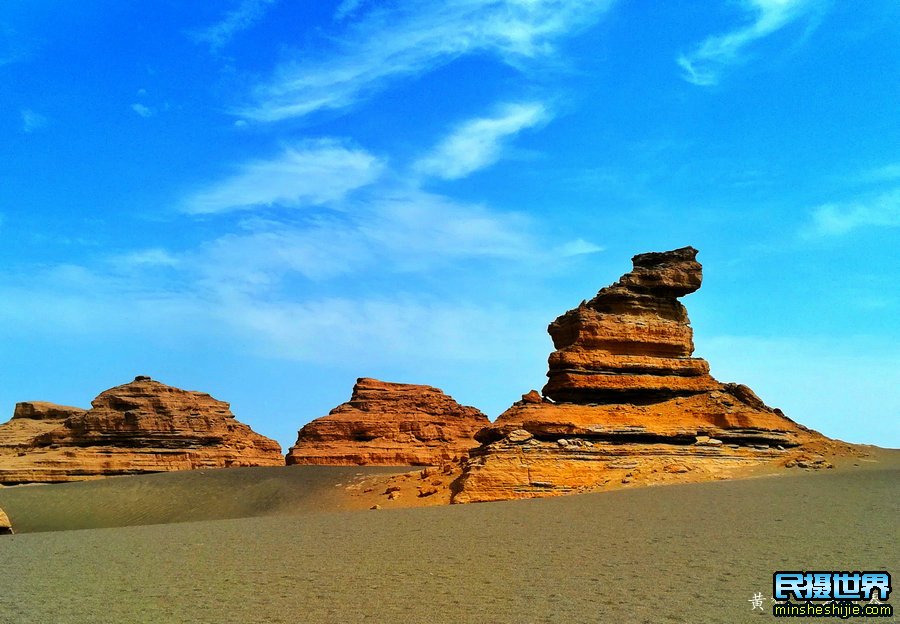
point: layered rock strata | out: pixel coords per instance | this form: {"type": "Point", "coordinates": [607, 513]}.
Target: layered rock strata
{"type": "Point", "coordinates": [139, 427]}
{"type": "Point", "coordinates": [626, 401]}
{"type": "Point", "coordinates": [391, 424]}
{"type": "Point", "coordinates": [633, 341]}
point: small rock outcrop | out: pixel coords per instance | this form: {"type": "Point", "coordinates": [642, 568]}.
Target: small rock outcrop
{"type": "Point", "coordinates": [392, 424]}
{"type": "Point", "coordinates": [5, 524]}
{"type": "Point", "coordinates": [626, 401]}
{"type": "Point", "coordinates": [42, 410]}
{"type": "Point", "coordinates": [139, 427]}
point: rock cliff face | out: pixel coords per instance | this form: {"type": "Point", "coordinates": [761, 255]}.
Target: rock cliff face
{"type": "Point", "coordinates": [142, 426]}
{"type": "Point", "coordinates": [391, 424]}
{"type": "Point", "coordinates": [625, 400]}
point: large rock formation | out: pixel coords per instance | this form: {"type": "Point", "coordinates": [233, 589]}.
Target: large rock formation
{"type": "Point", "coordinates": [142, 426]}
{"type": "Point", "coordinates": [633, 341]}
{"type": "Point", "coordinates": [391, 424]}
{"type": "Point", "coordinates": [625, 400]}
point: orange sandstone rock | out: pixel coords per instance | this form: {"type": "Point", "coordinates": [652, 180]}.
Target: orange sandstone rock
{"type": "Point", "coordinates": [142, 426]}
{"type": "Point", "coordinates": [390, 424]}
{"type": "Point", "coordinates": [625, 400]}
{"type": "Point", "coordinates": [633, 340]}
{"type": "Point", "coordinates": [5, 524]}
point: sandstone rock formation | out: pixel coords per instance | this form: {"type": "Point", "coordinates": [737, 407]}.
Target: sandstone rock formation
{"type": "Point", "coordinates": [391, 424]}
{"type": "Point", "coordinates": [142, 426]}
{"type": "Point", "coordinates": [633, 341]}
{"type": "Point", "coordinates": [5, 524]}
{"type": "Point", "coordinates": [625, 400]}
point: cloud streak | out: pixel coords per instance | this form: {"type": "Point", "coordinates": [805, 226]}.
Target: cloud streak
{"type": "Point", "coordinates": [887, 173]}
{"type": "Point", "coordinates": [307, 173]}
{"type": "Point", "coordinates": [703, 65]}
{"type": "Point", "coordinates": [153, 257]}
{"type": "Point", "coordinates": [578, 247]}
{"type": "Point", "coordinates": [838, 219]}
{"type": "Point", "coordinates": [247, 13]}
{"type": "Point", "coordinates": [390, 231]}
{"type": "Point", "coordinates": [32, 121]}
{"type": "Point", "coordinates": [14, 46]}
{"type": "Point", "coordinates": [347, 8]}
{"type": "Point", "coordinates": [478, 143]}
{"type": "Point", "coordinates": [413, 37]}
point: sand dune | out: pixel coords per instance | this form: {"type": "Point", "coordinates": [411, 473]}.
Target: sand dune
{"type": "Point", "coordinates": [686, 553]}
{"type": "Point", "coordinates": [187, 496]}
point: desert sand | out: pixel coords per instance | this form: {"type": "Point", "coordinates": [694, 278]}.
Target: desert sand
{"type": "Point", "coordinates": [285, 545]}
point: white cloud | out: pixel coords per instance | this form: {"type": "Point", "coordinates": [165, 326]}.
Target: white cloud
{"type": "Point", "coordinates": [421, 229]}
{"type": "Point", "coordinates": [258, 260]}
{"type": "Point", "coordinates": [147, 258]}
{"type": "Point", "coordinates": [309, 173]}
{"type": "Point", "coordinates": [887, 173]}
{"type": "Point", "coordinates": [347, 8]}
{"type": "Point", "coordinates": [579, 247]}
{"type": "Point", "coordinates": [703, 65]}
{"type": "Point", "coordinates": [360, 332]}
{"type": "Point", "coordinates": [15, 47]}
{"type": "Point", "coordinates": [143, 111]}
{"type": "Point", "coordinates": [32, 121]}
{"type": "Point", "coordinates": [836, 219]}
{"type": "Point", "coordinates": [247, 13]}
{"type": "Point", "coordinates": [402, 328]}
{"type": "Point", "coordinates": [74, 298]}
{"type": "Point", "coordinates": [478, 143]}
{"type": "Point", "coordinates": [410, 38]}
{"type": "Point", "coordinates": [404, 230]}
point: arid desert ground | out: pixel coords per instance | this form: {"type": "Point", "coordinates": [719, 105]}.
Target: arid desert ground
{"type": "Point", "coordinates": [293, 544]}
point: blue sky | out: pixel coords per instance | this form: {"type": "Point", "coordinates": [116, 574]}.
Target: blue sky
{"type": "Point", "coordinates": [265, 199]}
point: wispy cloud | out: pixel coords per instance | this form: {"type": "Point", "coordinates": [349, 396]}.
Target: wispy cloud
{"type": "Point", "coordinates": [478, 143]}
{"type": "Point", "coordinates": [404, 327]}
{"type": "Point", "coordinates": [143, 111]}
{"type": "Point", "coordinates": [401, 328]}
{"type": "Point", "coordinates": [14, 46]}
{"type": "Point", "coordinates": [422, 229]}
{"type": "Point", "coordinates": [400, 230]}
{"type": "Point", "coordinates": [147, 258]}
{"type": "Point", "coordinates": [247, 13]}
{"type": "Point", "coordinates": [410, 38]}
{"type": "Point", "coordinates": [260, 257]}
{"type": "Point", "coordinates": [347, 8]}
{"type": "Point", "coordinates": [578, 247]}
{"type": "Point", "coordinates": [308, 173]}
{"type": "Point", "coordinates": [96, 302]}
{"type": "Point", "coordinates": [703, 65]}
{"type": "Point", "coordinates": [32, 121]}
{"type": "Point", "coordinates": [886, 173]}
{"type": "Point", "coordinates": [358, 216]}
{"type": "Point", "coordinates": [836, 219]}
